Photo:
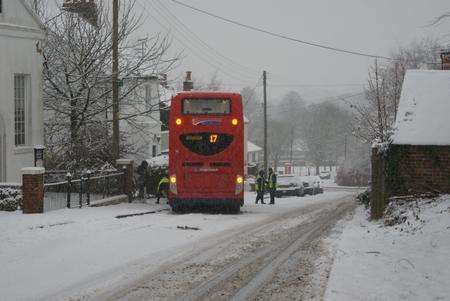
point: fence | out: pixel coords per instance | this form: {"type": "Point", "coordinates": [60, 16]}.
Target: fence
{"type": "Point", "coordinates": [78, 192]}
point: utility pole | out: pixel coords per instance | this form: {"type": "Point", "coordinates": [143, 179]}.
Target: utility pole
{"type": "Point", "coordinates": [345, 148]}
{"type": "Point", "coordinates": [265, 121]}
{"type": "Point", "coordinates": [115, 79]}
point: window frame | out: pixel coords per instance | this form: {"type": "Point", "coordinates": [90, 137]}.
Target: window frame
{"type": "Point", "coordinates": [230, 112]}
{"type": "Point", "coordinates": [148, 96]}
{"type": "Point", "coordinates": [23, 140]}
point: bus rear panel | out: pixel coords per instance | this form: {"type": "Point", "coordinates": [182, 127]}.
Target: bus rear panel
{"type": "Point", "coordinates": [206, 150]}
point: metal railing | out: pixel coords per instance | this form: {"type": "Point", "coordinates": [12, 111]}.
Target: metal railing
{"type": "Point", "coordinates": [79, 192]}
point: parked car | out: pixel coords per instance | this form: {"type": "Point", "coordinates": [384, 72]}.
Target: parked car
{"type": "Point", "coordinates": [289, 185]}
{"type": "Point", "coordinates": [325, 175]}
{"type": "Point", "coordinates": [311, 185]}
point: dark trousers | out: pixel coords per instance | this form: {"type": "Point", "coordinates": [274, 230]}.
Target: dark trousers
{"type": "Point", "coordinates": [272, 195]}
{"type": "Point", "coordinates": [260, 197]}
{"type": "Point", "coordinates": [141, 186]}
{"type": "Point", "coordinates": [162, 191]}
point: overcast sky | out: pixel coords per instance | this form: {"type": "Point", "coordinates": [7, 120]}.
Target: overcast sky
{"type": "Point", "coordinates": [362, 25]}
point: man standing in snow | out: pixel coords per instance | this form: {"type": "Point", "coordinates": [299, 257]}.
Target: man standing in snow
{"type": "Point", "coordinates": [260, 181]}
{"type": "Point", "coordinates": [142, 172]}
{"type": "Point", "coordinates": [163, 188]}
{"type": "Point", "coordinates": [272, 185]}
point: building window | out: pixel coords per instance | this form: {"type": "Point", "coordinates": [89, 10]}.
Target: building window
{"type": "Point", "coordinates": [253, 157]}
{"type": "Point", "coordinates": [148, 97]}
{"type": "Point", "coordinates": [20, 93]}
{"type": "Point", "coordinates": [1, 6]}
{"type": "Point", "coordinates": [153, 150]}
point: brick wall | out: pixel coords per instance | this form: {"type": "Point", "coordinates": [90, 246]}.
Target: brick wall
{"type": "Point", "coordinates": [418, 169]}
{"type": "Point", "coordinates": [128, 167]}
{"type": "Point", "coordinates": [33, 190]}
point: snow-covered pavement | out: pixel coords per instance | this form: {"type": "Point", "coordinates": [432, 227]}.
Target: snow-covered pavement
{"type": "Point", "coordinates": [406, 261]}
{"type": "Point", "coordinates": [72, 251]}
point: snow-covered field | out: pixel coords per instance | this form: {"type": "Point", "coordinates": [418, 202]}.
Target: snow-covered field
{"type": "Point", "coordinates": [406, 261]}
{"type": "Point", "coordinates": [66, 252]}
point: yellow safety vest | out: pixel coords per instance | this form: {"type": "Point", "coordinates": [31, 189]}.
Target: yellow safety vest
{"type": "Point", "coordinates": [257, 185]}
{"type": "Point", "coordinates": [164, 180]}
{"type": "Point", "coordinates": [272, 185]}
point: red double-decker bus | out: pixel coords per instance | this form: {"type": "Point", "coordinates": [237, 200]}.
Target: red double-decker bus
{"type": "Point", "coordinates": [206, 151]}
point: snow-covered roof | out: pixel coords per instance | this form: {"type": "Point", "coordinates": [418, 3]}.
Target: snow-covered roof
{"type": "Point", "coordinates": [251, 147]}
{"type": "Point", "coordinates": [424, 109]}
{"type": "Point", "coordinates": [159, 161]}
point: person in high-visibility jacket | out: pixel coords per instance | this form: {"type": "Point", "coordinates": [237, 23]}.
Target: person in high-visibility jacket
{"type": "Point", "coordinates": [163, 188]}
{"type": "Point", "coordinates": [272, 185]}
{"type": "Point", "coordinates": [260, 182]}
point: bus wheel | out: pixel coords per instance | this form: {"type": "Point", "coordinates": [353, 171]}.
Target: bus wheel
{"type": "Point", "coordinates": [234, 209]}
{"type": "Point", "coordinates": [178, 209]}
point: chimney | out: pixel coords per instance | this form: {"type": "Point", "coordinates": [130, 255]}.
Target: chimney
{"type": "Point", "coordinates": [188, 84]}
{"type": "Point", "coordinates": [445, 57]}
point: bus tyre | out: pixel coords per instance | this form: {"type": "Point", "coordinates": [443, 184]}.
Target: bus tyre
{"type": "Point", "coordinates": [178, 209]}
{"type": "Point", "coordinates": [235, 209]}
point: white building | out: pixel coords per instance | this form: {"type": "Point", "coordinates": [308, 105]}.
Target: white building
{"type": "Point", "coordinates": [143, 132]}
{"type": "Point", "coordinates": [254, 154]}
{"type": "Point", "coordinates": [21, 110]}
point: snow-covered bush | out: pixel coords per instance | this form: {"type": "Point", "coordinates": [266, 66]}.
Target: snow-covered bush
{"type": "Point", "coordinates": [10, 199]}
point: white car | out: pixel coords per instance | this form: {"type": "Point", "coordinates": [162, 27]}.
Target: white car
{"type": "Point", "coordinates": [289, 185]}
{"type": "Point", "coordinates": [311, 185]}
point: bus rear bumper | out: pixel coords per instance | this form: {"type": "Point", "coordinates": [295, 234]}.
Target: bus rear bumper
{"type": "Point", "coordinates": [197, 202]}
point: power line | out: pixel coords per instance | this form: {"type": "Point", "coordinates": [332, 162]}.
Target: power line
{"type": "Point", "coordinates": [253, 90]}
{"type": "Point", "coordinates": [204, 56]}
{"type": "Point", "coordinates": [301, 85]}
{"type": "Point", "coordinates": [230, 60]}
{"type": "Point", "coordinates": [282, 36]}
{"type": "Point", "coordinates": [331, 99]}
{"type": "Point", "coordinates": [195, 52]}
{"type": "Point", "coordinates": [188, 36]}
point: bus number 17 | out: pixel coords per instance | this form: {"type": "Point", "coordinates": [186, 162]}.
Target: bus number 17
{"type": "Point", "coordinates": [213, 138]}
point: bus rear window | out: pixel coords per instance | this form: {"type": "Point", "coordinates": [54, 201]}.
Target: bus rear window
{"type": "Point", "coordinates": [206, 144]}
{"type": "Point", "coordinates": [206, 106]}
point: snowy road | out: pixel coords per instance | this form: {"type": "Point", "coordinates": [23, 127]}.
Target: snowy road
{"type": "Point", "coordinates": [274, 259]}
{"type": "Point", "coordinates": [89, 254]}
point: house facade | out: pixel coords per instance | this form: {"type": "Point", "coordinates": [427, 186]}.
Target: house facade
{"type": "Point", "coordinates": [22, 36]}
{"type": "Point", "coordinates": [143, 132]}
{"type": "Point", "coordinates": [255, 154]}
{"type": "Point", "coordinates": [418, 160]}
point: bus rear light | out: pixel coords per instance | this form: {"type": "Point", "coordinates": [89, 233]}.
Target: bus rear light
{"type": "Point", "coordinates": [178, 121]}
{"type": "Point", "coordinates": [173, 185]}
{"type": "Point", "coordinates": [234, 122]}
{"type": "Point", "coordinates": [239, 184]}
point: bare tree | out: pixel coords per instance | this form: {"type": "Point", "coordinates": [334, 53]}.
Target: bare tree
{"type": "Point", "coordinates": [375, 114]}
{"type": "Point", "coordinates": [324, 129]}
{"type": "Point", "coordinates": [77, 89]}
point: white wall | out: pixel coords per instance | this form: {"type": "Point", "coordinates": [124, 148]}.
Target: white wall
{"type": "Point", "coordinates": [145, 131]}
{"type": "Point", "coordinates": [19, 37]}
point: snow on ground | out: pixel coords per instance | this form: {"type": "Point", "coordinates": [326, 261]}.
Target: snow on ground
{"type": "Point", "coordinates": [65, 252]}
{"type": "Point", "coordinates": [406, 261]}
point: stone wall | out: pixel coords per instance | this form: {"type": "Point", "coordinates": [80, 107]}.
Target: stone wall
{"type": "Point", "coordinates": [418, 169]}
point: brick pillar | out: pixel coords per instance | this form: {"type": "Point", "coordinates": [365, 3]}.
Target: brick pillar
{"type": "Point", "coordinates": [127, 166]}
{"type": "Point", "coordinates": [378, 195]}
{"type": "Point", "coordinates": [33, 190]}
